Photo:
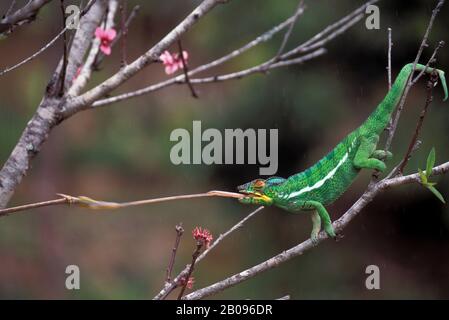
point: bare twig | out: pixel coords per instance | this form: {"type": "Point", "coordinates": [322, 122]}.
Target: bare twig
{"type": "Point", "coordinates": [298, 12]}
{"type": "Point", "coordinates": [186, 70]}
{"type": "Point", "coordinates": [431, 60]}
{"type": "Point", "coordinates": [195, 255]}
{"type": "Point", "coordinates": [34, 55]}
{"type": "Point", "coordinates": [430, 85]}
{"type": "Point", "coordinates": [179, 232]}
{"type": "Point", "coordinates": [390, 45]}
{"type": "Point", "coordinates": [64, 43]}
{"type": "Point", "coordinates": [124, 30]}
{"type": "Point", "coordinates": [331, 32]}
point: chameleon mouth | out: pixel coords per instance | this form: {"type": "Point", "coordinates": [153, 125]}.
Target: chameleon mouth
{"type": "Point", "coordinates": [256, 195]}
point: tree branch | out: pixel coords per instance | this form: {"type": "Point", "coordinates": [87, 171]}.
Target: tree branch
{"type": "Point", "coordinates": [179, 232]}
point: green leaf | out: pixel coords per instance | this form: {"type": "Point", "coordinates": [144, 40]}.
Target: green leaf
{"type": "Point", "coordinates": [436, 193]}
{"type": "Point", "coordinates": [423, 177]}
{"type": "Point", "coordinates": [430, 162]}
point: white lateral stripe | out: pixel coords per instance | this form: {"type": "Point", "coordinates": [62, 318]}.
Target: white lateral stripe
{"type": "Point", "coordinates": [322, 181]}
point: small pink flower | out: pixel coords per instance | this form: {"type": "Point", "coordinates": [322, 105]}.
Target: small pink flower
{"type": "Point", "coordinates": [202, 235]}
{"type": "Point", "coordinates": [106, 37]}
{"type": "Point", "coordinates": [173, 62]}
{"type": "Point", "coordinates": [190, 282]}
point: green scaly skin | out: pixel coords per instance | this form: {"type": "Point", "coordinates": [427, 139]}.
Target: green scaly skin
{"type": "Point", "coordinates": [329, 178]}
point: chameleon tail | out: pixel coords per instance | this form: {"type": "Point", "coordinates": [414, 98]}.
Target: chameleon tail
{"type": "Point", "coordinates": [379, 119]}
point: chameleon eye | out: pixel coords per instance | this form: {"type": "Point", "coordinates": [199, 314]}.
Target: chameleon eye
{"type": "Point", "coordinates": [259, 184]}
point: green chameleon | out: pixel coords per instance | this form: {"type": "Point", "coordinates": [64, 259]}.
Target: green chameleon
{"type": "Point", "coordinates": [329, 178]}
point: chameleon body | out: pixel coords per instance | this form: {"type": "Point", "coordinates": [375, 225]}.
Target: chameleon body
{"type": "Point", "coordinates": [329, 178]}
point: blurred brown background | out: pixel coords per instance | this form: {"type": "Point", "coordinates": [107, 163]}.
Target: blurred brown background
{"type": "Point", "coordinates": [121, 153]}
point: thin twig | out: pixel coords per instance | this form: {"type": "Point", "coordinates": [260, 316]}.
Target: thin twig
{"type": "Point", "coordinates": [179, 231]}
{"type": "Point", "coordinates": [64, 43]}
{"type": "Point", "coordinates": [430, 85]}
{"type": "Point", "coordinates": [431, 60]}
{"type": "Point", "coordinates": [124, 30]}
{"type": "Point", "coordinates": [186, 70]}
{"type": "Point", "coordinates": [34, 55]}
{"type": "Point", "coordinates": [195, 255]}
{"type": "Point", "coordinates": [298, 12]}
{"type": "Point", "coordinates": [390, 45]}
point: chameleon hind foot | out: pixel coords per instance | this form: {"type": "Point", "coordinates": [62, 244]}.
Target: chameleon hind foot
{"type": "Point", "coordinates": [319, 215]}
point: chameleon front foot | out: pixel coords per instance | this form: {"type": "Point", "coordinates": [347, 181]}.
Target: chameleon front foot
{"type": "Point", "coordinates": [382, 155]}
{"type": "Point", "coordinates": [319, 216]}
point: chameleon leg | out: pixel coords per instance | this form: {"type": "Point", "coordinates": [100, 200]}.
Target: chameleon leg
{"type": "Point", "coordinates": [322, 212]}
{"type": "Point", "coordinates": [363, 158]}
{"type": "Point", "coordinates": [382, 155]}
{"type": "Point", "coordinates": [316, 221]}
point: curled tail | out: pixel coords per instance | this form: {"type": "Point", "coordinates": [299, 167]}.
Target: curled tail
{"type": "Point", "coordinates": [379, 119]}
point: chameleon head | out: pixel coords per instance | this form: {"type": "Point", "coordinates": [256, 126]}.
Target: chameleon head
{"type": "Point", "coordinates": [260, 191]}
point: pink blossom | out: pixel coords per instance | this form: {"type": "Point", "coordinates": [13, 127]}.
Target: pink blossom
{"type": "Point", "coordinates": [190, 282]}
{"type": "Point", "coordinates": [202, 235]}
{"type": "Point", "coordinates": [173, 62]}
{"type": "Point", "coordinates": [106, 37]}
